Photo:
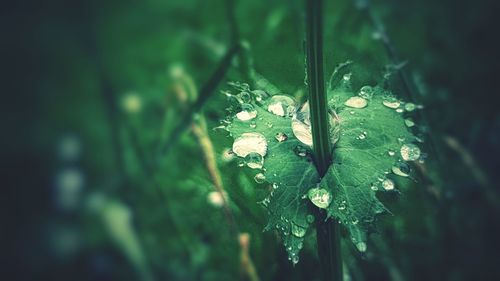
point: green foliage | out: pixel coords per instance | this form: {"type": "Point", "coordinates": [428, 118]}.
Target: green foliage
{"type": "Point", "coordinates": [367, 135]}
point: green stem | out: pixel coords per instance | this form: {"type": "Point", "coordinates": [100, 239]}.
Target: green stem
{"type": "Point", "coordinates": [327, 231]}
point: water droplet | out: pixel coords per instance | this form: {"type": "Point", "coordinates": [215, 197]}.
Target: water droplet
{"type": "Point", "coordinates": [295, 259]}
{"type": "Point", "coordinates": [362, 136]}
{"type": "Point", "coordinates": [361, 246]}
{"type": "Point", "coordinates": [281, 137]}
{"type": "Point", "coordinates": [254, 160]}
{"type": "Point", "coordinates": [410, 152]}
{"type": "Point", "coordinates": [355, 221]}
{"type": "Point", "coordinates": [269, 124]}
{"type": "Point", "coordinates": [301, 125]}
{"type": "Point", "coordinates": [366, 92]}
{"type": "Point", "coordinates": [388, 184]}
{"type": "Point", "coordinates": [247, 112]}
{"type": "Point", "coordinates": [347, 77]}
{"type": "Point", "coordinates": [391, 103]}
{"type": "Point", "coordinates": [409, 123]}
{"type": "Point", "coordinates": [297, 230]}
{"type": "Point", "coordinates": [391, 152]}
{"type": "Point", "coordinates": [319, 197]}
{"type": "Point", "coordinates": [275, 185]}
{"type": "Point", "coordinates": [410, 106]}
{"type": "Point", "coordinates": [245, 97]}
{"type": "Point", "coordinates": [259, 178]}
{"type": "Point", "coordinates": [356, 102]}
{"type": "Point", "coordinates": [281, 105]}
{"type": "Point", "coordinates": [374, 187]}
{"type": "Point", "coordinates": [300, 151]}
{"type": "Point", "coordinates": [253, 125]}
{"type": "Point", "coordinates": [260, 95]}
{"type": "Point", "coordinates": [399, 110]}
{"type": "Point", "coordinates": [342, 205]}
{"type": "Point", "coordinates": [250, 142]}
{"type": "Point", "coordinates": [401, 169]}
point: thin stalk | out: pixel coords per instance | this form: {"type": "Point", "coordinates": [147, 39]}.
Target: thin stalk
{"type": "Point", "coordinates": [327, 231]}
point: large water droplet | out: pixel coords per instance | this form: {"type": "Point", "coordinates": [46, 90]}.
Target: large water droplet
{"type": "Point", "coordinates": [250, 142]}
{"type": "Point", "coordinates": [388, 184]}
{"type": "Point", "coordinates": [281, 137]}
{"type": "Point", "coordinates": [401, 169]}
{"type": "Point", "coordinates": [366, 92]}
{"type": "Point", "coordinates": [410, 152]}
{"type": "Point", "coordinates": [319, 197]}
{"type": "Point", "coordinates": [356, 102]}
{"type": "Point", "coordinates": [301, 125]}
{"type": "Point", "coordinates": [297, 230]}
{"type": "Point", "coordinates": [259, 178]}
{"type": "Point", "coordinates": [281, 105]}
{"type": "Point", "coordinates": [254, 160]}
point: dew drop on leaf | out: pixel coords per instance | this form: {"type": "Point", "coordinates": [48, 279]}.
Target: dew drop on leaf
{"type": "Point", "coordinates": [410, 106]}
{"type": "Point", "coordinates": [250, 142]}
{"type": "Point", "coordinates": [281, 105]}
{"type": "Point", "coordinates": [391, 152]}
{"type": "Point", "coordinates": [281, 137]}
{"type": "Point", "coordinates": [391, 103]}
{"type": "Point", "coordinates": [366, 92]}
{"type": "Point", "coordinates": [300, 151]}
{"type": "Point", "coordinates": [361, 246]}
{"type": "Point", "coordinates": [409, 123]}
{"type": "Point", "coordinates": [260, 95]}
{"type": "Point", "coordinates": [259, 178]}
{"type": "Point", "coordinates": [319, 197]}
{"type": "Point", "coordinates": [247, 112]}
{"type": "Point", "coordinates": [297, 230]}
{"type": "Point", "coordinates": [254, 160]}
{"type": "Point", "coordinates": [410, 152]}
{"type": "Point", "coordinates": [401, 169]}
{"type": "Point", "coordinates": [301, 125]}
{"type": "Point", "coordinates": [388, 184]}
{"type": "Point", "coordinates": [356, 102]}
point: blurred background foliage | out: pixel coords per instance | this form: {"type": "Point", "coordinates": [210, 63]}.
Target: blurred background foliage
{"type": "Point", "coordinates": [95, 89]}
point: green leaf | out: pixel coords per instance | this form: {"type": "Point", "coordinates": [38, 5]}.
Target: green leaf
{"type": "Point", "coordinates": [291, 176]}
{"type": "Point", "coordinates": [370, 137]}
{"type": "Point", "coordinates": [368, 147]}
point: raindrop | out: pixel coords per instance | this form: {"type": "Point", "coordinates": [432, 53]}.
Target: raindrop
{"type": "Point", "coordinates": [254, 160]}
{"type": "Point", "coordinates": [269, 124]}
{"type": "Point", "coordinates": [391, 152]}
{"type": "Point", "coordinates": [247, 112]}
{"type": "Point", "coordinates": [298, 231]}
{"type": "Point", "coordinates": [391, 103]}
{"type": "Point", "coordinates": [356, 102]}
{"type": "Point", "coordinates": [259, 178]}
{"type": "Point", "coordinates": [281, 137]}
{"type": "Point", "coordinates": [300, 151]}
{"type": "Point", "coordinates": [410, 152]}
{"type": "Point", "coordinates": [245, 97]}
{"type": "Point", "coordinates": [260, 95]}
{"type": "Point", "coordinates": [253, 125]}
{"type": "Point", "coordinates": [409, 123]}
{"type": "Point", "coordinates": [355, 221]}
{"type": "Point", "coordinates": [361, 246]}
{"type": "Point", "coordinates": [250, 142]}
{"type": "Point", "coordinates": [362, 136]}
{"type": "Point", "coordinates": [388, 184]}
{"type": "Point", "coordinates": [342, 205]}
{"type": "Point", "coordinates": [216, 198]}
{"type": "Point", "coordinates": [281, 105]}
{"type": "Point", "coordinates": [374, 187]}
{"type": "Point", "coordinates": [401, 169]}
{"type": "Point", "coordinates": [301, 125]}
{"type": "Point", "coordinates": [399, 110]}
{"type": "Point", "coordinates": [366, 92]}
{"type": "Point", "coordinates": [319, 197]}
{"type": "Point", "coordinates": [410, 106]}
{"type": "Point", "coordinates": [275, 185]}
{"type": "Point", "coordinates": [295, 259]}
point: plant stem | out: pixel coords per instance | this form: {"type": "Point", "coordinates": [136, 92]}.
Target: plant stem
{"type": "Point", "coordinates": [328, 238]}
